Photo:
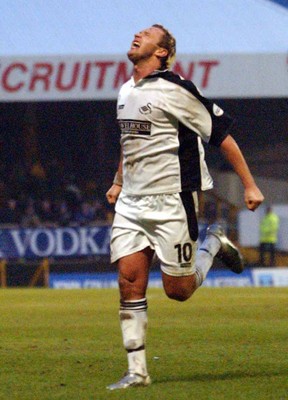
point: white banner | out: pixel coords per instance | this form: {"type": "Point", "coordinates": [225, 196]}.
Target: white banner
{"type": "Point", "coordinates": [270, 276]}
{"type": "Point", "coordinates": [100, 77]}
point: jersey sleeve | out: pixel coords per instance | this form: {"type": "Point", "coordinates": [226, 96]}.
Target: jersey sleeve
{"type": "Point", "coordinates": [183, 100]}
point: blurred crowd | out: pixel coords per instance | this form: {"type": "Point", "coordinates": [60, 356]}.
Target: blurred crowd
{"type": "Point", "coordinates": [50, 197]}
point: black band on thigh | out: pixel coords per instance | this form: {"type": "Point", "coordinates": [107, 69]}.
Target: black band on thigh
{"type": "Point", "coordinates": [189, 206]}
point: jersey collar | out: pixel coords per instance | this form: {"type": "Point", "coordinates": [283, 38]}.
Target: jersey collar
{"type": "Point", "coordinates": [151, 75]}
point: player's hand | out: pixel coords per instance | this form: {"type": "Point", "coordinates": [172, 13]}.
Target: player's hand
{"type": "Point", "coordinates": [113, 193]}
{"type": "Point", "coordinates": [253, 198]}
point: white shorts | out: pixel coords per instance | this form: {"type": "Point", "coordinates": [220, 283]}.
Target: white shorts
{"type": "Point", "coordinates": [166, 223]}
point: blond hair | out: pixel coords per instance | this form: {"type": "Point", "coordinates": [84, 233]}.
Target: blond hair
{"type": "Point", "coordinates": [168, 42]}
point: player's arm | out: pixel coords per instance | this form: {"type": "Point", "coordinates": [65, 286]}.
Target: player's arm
{"type": "Point", "coordinates": [115, 189]}
{"type": "Point", "coordinates": [252, 194]}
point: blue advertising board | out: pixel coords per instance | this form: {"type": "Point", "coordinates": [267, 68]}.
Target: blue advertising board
{"type": "Point", "coordinates": [54, 242]}
{"type": "Point", "coordinates": [215, 278]}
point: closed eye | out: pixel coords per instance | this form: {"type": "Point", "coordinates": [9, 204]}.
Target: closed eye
{"type": "Point", "coordinates": [145, 33]}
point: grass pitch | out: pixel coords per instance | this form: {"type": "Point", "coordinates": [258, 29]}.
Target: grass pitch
{"type": "Point", "coordinates": [228, 343]}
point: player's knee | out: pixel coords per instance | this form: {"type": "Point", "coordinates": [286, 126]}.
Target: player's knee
{"type": "Point", "coordinates": [131, 287]}
{"type": "Point", "coordinates": [178, 288]}
{"type": "Point", "coordinates": [126, 281]}
{"type": "Point", "coordinates": [178, 295]}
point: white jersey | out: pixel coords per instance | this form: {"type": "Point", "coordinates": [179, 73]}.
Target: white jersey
{"type": "Point", "coordinates": [163, 120]}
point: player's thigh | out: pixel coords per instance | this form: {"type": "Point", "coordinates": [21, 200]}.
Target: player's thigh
{"type": "Point", "coordinates": [127, 237]}
{"type": "Point", "coordinates": [176, 237]}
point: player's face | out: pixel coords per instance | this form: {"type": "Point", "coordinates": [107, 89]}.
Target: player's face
{"type": "Point", "coordinates": [145, 44]}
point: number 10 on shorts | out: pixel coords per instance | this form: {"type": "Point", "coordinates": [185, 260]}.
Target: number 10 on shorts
{"type": "Point", "coordinates": [184, 252]}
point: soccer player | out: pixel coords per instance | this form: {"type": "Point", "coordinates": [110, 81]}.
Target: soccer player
{"type": "Point", "coordinates": [163, 120]}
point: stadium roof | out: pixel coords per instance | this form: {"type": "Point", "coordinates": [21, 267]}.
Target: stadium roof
{"type": "Point", "coordinates": [41, 27]}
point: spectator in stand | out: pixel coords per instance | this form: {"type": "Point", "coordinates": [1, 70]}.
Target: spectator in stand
{"type": "Point", "coordinates": [46, 213]}
{"type": "Point", "coordinates": [64, 216]}
{"type": "Point", "coordinates": [92, 193]}
{"type": "Point", "coordinates": [9, 213]}
{"type": "Point", "coordinates": [91, 189]}
{"type": "Point", "coordinates": [99, 210]}
{"type": "Point", "coordinates": [30, 219]}
{"type": "Point", "coordinates": [85, 215]}
{"type": "Point", "coordinates": [72, 194]}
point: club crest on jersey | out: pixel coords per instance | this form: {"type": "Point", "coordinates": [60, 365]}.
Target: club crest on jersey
{"type": "Point", "coordinates": [147, 109]}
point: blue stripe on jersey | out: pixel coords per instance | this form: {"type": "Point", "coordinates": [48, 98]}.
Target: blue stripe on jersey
{"type": "Point", "coordinates": [189, 159]}
{"type": "Point", "coordinates": [220, 124]}
{"type": "Point", "coordinates": [189, 206]}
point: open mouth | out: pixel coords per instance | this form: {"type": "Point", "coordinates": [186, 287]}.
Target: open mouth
{"type": "Point", "coordinates": [135, 45]}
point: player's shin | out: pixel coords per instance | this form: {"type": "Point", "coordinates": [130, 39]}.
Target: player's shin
{"type": "Point", "coordinates": [133, 321]}
{"type": "Point", "coordinates": [205, 256]}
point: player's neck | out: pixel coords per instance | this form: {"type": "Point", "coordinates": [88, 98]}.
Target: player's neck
{"type": "Point", "coordinates": [143, 69]}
